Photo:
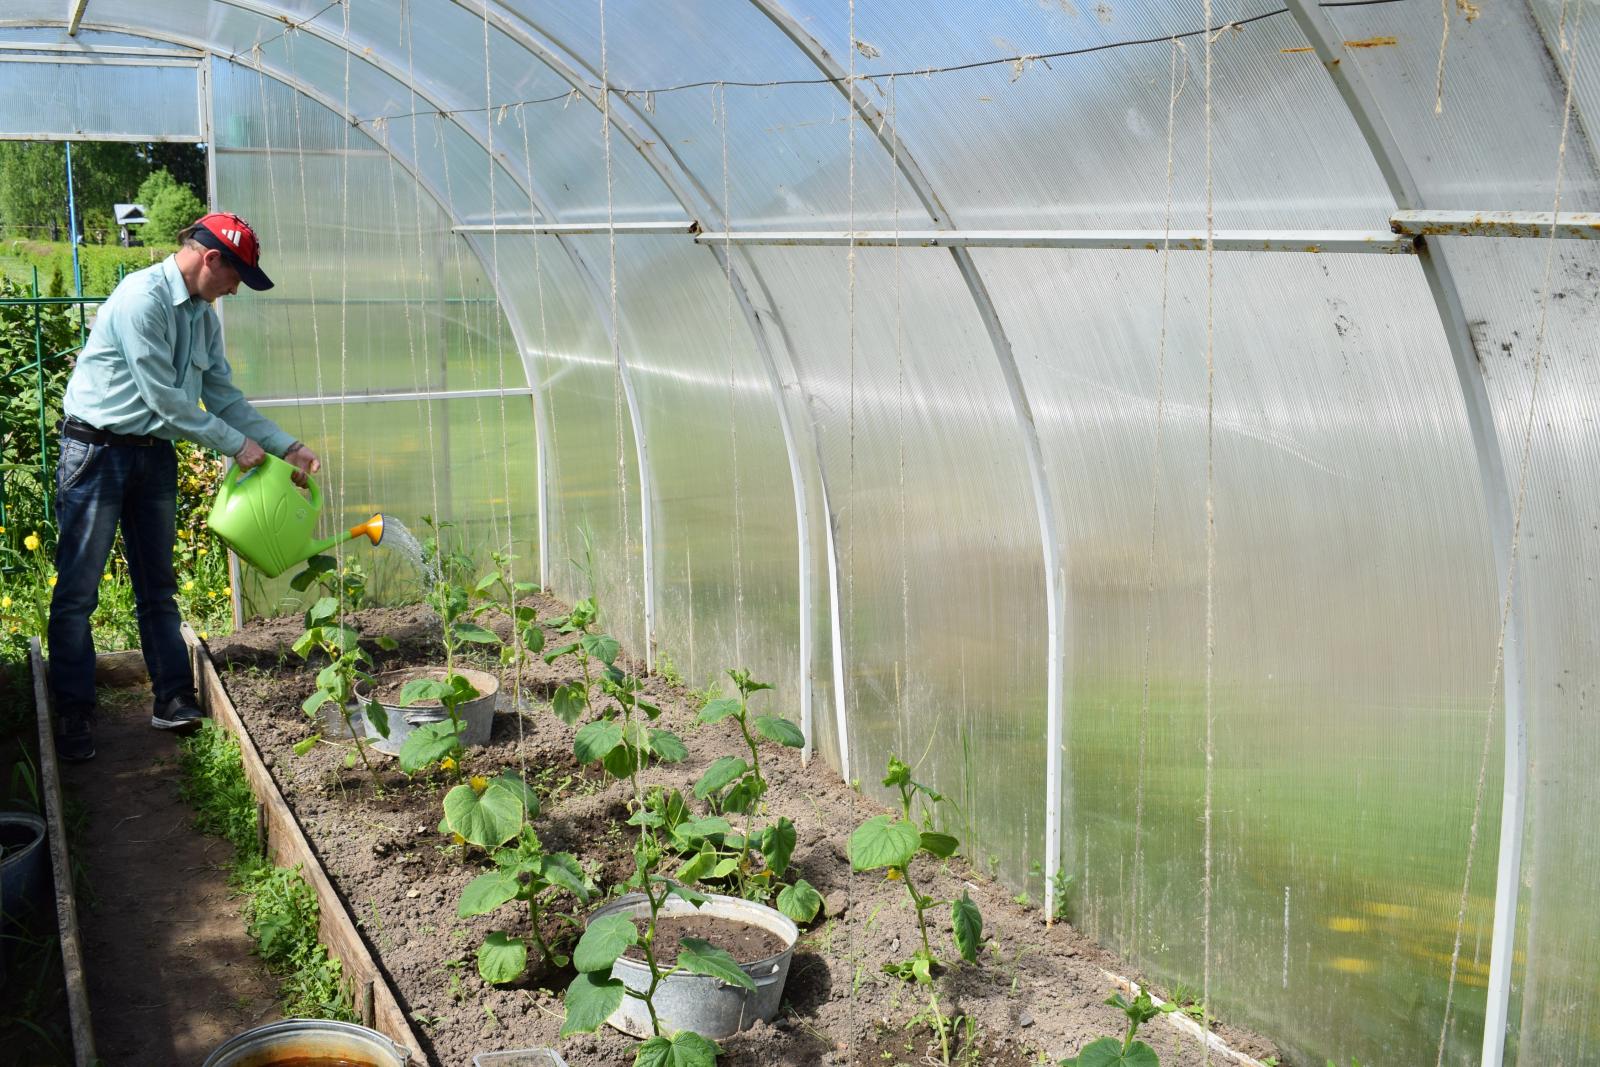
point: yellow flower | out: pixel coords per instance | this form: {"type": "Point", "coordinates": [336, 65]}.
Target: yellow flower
{"type": "Point", "coordinates": [227, 590]}
{"type": "Point", "coordinates": [893, 874]}
{"type": "Point", "coordinates": [188, 586]}
{"type": "Point", "coordinates": [5, 602]}
{"type": "Point", "coordinates": [31, 542]}
{"type": "Point", "coordinates": [183, 534]}
{"type": "Point", "coordinates": [52, 581]}
{"type": "Point", "coordinates": [458, 839]}
{"type": "Point", "coordinates": [106, 577]}
{"type": "Point", "coordinates": [200, 552]}
{"type": "Point", "coordinates": [478, 782]}
{"type": "Point", "coordinates": [204, 635]}
{"type": "Point", "coordinates": [2, 529]}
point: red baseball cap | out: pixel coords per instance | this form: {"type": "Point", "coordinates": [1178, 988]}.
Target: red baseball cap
{"type": "Point", "coordinates": [233, 237]}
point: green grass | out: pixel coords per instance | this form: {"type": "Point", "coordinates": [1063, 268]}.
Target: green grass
{"type": "Point", "coordinates": [99, 263]}
{"type": "Point", "coordinates": [280, 910]}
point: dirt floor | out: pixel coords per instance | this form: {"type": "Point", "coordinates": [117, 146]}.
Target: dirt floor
{"type": "Point", "coordinates": [1036, 995]}
{"type": "Point", "coordinates": [170, 968]}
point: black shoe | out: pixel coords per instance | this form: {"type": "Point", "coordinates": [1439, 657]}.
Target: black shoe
{"type": "Point", "coordinates": [75, 738]}
{"type": "Point", "coordinates": [179, 713]}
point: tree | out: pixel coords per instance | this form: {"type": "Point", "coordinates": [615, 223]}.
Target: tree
{"type": "Point", "coordinates": [33, 179]}
{"type": "Point", "coordinates": [173, 208]}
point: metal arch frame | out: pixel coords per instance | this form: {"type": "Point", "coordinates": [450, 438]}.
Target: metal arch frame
{"type": "Point", "coordinates": [1497, 499]}
{"type": "Point", "coordinates": [681, 183]}
{"type": "Point", "coordinates": [1053, 548]}
{"type": "Point", "coordinates": [288, 79]}
{"type": "Point", "coordinates": [440, 101]}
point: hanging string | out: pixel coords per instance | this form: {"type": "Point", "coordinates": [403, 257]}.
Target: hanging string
{"type": "Point", "coordinates": [1174, 91]}
{"type": "Point", "coordinates": [538, 281]}
{"type": "Point", "coordinates": [850, 493]}
{"type": "Point", "coordinates": [1569, 45]}
{"type": "Point", "coordinates": [510, 570]}
{"type": "Point", "coordinates": [902, 687]}
{"type": "Point", "coordinates": [616, 326]}
{"type": "Point", "coordinates": [422, 289]}
{"type": "Point", "coordinates": [733, 411]}
{"type": "Point", "coordinates": [272, 195]}
{"type": "Point", "coordinates": [305, 221]}
{"type": "Point", "coordinates": [344, 305]}
{"type": "Point", "coordinates": [1211, 548]}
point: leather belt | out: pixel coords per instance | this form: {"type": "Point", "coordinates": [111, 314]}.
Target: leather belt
{"type": "Point", "coordinates": [82, 431]}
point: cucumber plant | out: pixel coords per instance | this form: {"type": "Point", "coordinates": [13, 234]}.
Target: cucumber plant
{"type": "Point", "coordinates": [524, 872]}
{"type": "Point", "coordinates": [732, 785]}
{"type": "Point", "coordinates": [326, 632]}
{"type": "Point", "coordinates": [1126, 1052]}
{"type": "Point", "coordinates": [593, 995]}
{"type": "Point", "coordinates": [891, 843]}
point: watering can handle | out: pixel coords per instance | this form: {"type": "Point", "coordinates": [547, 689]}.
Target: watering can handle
{"type": "Point", "coordinates": [237, 474]}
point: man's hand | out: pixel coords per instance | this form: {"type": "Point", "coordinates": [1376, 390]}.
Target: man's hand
{"type": "Point", "coordinates": [251, 455]}
{"type": "Point", "coordinates": [304, 462]}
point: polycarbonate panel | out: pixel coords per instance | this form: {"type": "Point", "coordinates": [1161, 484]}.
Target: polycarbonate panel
{"type": "Point", "coordinates": [941, 569]}
{"type": "Point", "coordinates": [1354, 606]}
{"type": "Point", "coordinates": [1502, 284]}
{"type": "Point", "coordinates": [788, 155]}
{"type": "Point", "coordinates": [726, 544]}
{"type": "Point", "coordinates": [1492, 142]}
{"type": "Point", "coordinates": [405, 307]}
{"type": "Point", "coordinates": [468, 462]}
{"type": "Point", "coordinates": [90, 101]}
{"type": "Point", "coordinates": [1082, 141]}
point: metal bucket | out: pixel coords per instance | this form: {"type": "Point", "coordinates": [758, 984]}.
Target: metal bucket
{"type": "Point", "coordinates": [294, 1039]}
{"type": "Point", "coordinates": [708, 1006]}
{"type": "Point", "coordinates": [476, 714]}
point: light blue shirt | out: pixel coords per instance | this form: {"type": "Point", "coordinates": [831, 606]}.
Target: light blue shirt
{"type": "Point", "coordinates": [154, 354]}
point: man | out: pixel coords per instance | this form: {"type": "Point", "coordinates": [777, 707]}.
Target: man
{"type": "Point", "coordinates": [154, 354]}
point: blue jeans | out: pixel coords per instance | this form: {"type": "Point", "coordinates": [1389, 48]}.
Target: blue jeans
{"type": "Point", "coordinates": [98, 486]}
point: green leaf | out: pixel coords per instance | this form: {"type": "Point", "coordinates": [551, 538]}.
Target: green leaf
{"type": "Point", "coordinates": [720, 708]}
{"type": "Point", "coordinates": [302, 747]}
{"type": "Point", "coordinates": [667, 747]}
{"type": "Point", "coordinates": [606, 938]}
{"type": "Point", "coordinates": [693, 896]}
{"type": "Point", "coordinates": [967, 926]}
{"type": "Point", "coordinates": [725, 867]}
{"type": "Point", "coordinates": [502, 958]}
{"type": "Point", "coordinates": [698, 866]}
{"type": "Point", "coordinates": [561, 869]}
{"type": "Point", "coordinates": [556, 653]}
{"type": "Point", "coordinates": [306, 642]}
{"type": "Point", "coordinates": [620, 762]}
{"type": "Point", "coordinates": [942, 845]}
{"type": "Point", "coordinates": [899, 774]}
{"type": "Point", "coordinates": [486, 819]}
{"type": "Point", "coordinates": [700, 829]}
{"type": "Point", "coordinates": [487, 892]}
{"type": "Point", "coordinates": [591, 998]}
{"type": "Point", "coordinates": [800, 901]}
{"type": "Point", "coordinates": [596, 739]}
{"type": "Point", "coordinates": [601, 646]}
{"type": "Point", "coordinates": [569, 702]}
{"type": "Point", "coordinates": [427, 745]}
{"type": "Point", "coordinates": [378, 716]}
{"type": "Point", "coordinates": [387, 643]}
{"type": "Point", "coordinates": [883, 841]}
{"type": "Point", "coordinates": [323, 610]}
{"type": "Point", "coordinates": [486, 583]}
{"type": "Point", "coordinates": [780, 730]}
{"type": "Point", "coordinates": [701, 957]}
{"type": "Point", "coordinates": [1107, 1052]}
{"type": "Point", "coordinates": [777, 845]}
{"type": "Point", "coordinates": [684, 1049]}
{"type": "Point", "coordinates": [473, 633]}
{"type": "Point", "coordinates": [423, 689]}
{"type": "Point", "coordinates": [313, 703]}
{"type": "Point", "coordinates": [532, 639]}
{"type": "Point", "coordinates": [512, 783]}
{"type": "Point", "coordinates": [723, 771]}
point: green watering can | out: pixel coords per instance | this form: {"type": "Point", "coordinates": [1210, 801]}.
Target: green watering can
{"type": "Point", "coordinates": [262, 515]}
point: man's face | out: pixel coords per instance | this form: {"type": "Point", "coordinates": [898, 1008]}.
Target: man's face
{"type": "Point", "coordinates": [218, 278]}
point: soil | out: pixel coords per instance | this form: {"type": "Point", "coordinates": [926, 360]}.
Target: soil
{"type": "Point", "coordinates": [171, 971]}
{"type": "Point", "coordinates": [742, 941]}
{"type": "Point", "coordinates": [1037, 991]}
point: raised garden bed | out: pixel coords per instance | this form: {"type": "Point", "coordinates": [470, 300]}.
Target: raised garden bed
{"type": "Point", "coordinates": [1035, 990]}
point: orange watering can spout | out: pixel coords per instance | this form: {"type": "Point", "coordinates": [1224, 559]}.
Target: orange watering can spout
{"type": "Point", "coordinates": [372, 529]}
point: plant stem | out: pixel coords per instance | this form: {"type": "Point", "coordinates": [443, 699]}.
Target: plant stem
{"type": "Point", "coordinates": [538, 939]}
{"type": "Point", "coordinates": [938, 1022]}
{"type": "Point", "coordinates": [648, 943]}
{"type": "Point", "coordinates": [916, 902]}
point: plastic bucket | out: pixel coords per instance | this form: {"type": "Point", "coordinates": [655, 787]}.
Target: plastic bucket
{"type": "Point", "coordinates": [305, 1039]}
{"type": "Point", "coordinates": [477, 714]}
{"type": "Point", "coordinates": [24, 866]}
{"type": "Point", "coordinates": [522, 1057]}
{"type": "Point", "coordinates": [708, 1006]}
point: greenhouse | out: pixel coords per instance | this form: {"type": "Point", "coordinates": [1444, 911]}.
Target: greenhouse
{"type": "Point", "coordinates": [1165, 427]}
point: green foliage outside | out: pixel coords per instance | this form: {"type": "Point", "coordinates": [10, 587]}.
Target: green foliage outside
{"type": "Point", "coordinates": [102, 265]}
{"type": "Point", "coordinates": [33, 184]}
{"type": "Point", "coordinates": [280, 909]}
{"type": "Point", "coordinates": [169, 206]}
{"type": "Point", "coordinates": [27, 532]}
